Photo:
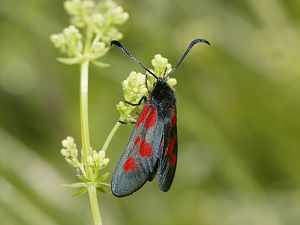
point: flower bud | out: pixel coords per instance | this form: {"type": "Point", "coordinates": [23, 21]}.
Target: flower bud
{"type": "Point", "coordinates": [70, 152]}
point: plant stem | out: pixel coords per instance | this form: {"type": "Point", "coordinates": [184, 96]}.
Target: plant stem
{"type": "Point", "coordinates": [84, 119]}
{"type": "Point", "coordinates": [86, 146]}
{"type": "Point", "coordinates": [94, 204]}
{"type": "Point", "coordinates": [110, 136]}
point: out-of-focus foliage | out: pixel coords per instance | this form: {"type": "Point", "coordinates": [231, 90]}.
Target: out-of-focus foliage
{"type": "Point", "coordinates": [238, 113]}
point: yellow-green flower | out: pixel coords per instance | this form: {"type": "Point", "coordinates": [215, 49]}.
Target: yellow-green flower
{"type": "Point", "coordinates": [70, 152]}
{"type": "Point", "coordinates": [97, 160]}
{"type": "Point", "coordinates": [134, 87]}
{"type": "Point", "coordinates": [93, 27]}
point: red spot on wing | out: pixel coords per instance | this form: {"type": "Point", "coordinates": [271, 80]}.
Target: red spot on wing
{"type": "Point", "coordinates": [137, 140]}
{"type": "Point", "coordinates": [129, 165]}
{"type": "Point", "coordinates": [151, 120]}
{"type": "Point", "coordinates": [174, 119]}
{"type": "Point", "coordinates": [173, 160]}
{"type": "Point", "coordinates": [145, 149]}
{"type": "Point", "coordinates": [171, 145]}
{"type": "Point", "coordinates": [143, 115]}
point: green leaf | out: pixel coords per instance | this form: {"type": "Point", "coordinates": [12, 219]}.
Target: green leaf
{"type": "Point", "coordinates": [103, 190]}
{"type": "Point", "coordinates": [102, 184]}
{"type": "Point", "coordinates": [75, 185]}
{"type": "Point", "coordinates": [100, 64]}
{"type": "Point", "coordinates": [82, 179]}
{"type": "Point", "coordinates": [81, 191]}
{"type": "Point", "coordinates": [103, 177]}
{"type": "Point", "coordinates": [70, 61]}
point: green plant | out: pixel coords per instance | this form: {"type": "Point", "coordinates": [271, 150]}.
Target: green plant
{"type": "Point", "coordinates": [86, 40]}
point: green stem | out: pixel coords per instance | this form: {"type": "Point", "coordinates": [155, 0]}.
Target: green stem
{"type": "Point", "coordinates": [94, 204]}
{"type": "Point", "coordinates": [86, 146]}
{"type": "Point", "coordinates": [84, 119]}
{"type": "Point", "coordinates": [110, 136]}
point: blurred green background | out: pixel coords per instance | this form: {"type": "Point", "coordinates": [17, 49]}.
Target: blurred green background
{"type": "Point", "coordinates": [238, 113]}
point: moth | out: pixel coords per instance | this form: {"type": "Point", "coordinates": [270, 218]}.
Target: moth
{"type": "Point", "coordinates": [153, 145]}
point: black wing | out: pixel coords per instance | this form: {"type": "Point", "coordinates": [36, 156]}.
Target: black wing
{"type": "Point", "coordinates": [168, 158]}
{"type": "Point", "coordinates": [138, 162]}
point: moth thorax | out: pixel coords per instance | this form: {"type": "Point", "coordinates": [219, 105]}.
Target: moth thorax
{"type": "Point", "coordinates": [164, 96]}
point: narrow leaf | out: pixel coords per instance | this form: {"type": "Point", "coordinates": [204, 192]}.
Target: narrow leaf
{"type": "Point", "coordinates": [81, 191]}
{"type": "Point", "coordinates": [75, 185]}
{"type": "Point", "coordinates": [100, 64]}
{"type": "Point", "coordinates": [82, 179]}
{"type": "Point", "coordinates": [103, 190]}
{"type": "Point", "coordinates": [102, 184]}
{"type": "Point", "coordinates": [103, 177]}
{"type": "Point", "coordinates": [70, 61]}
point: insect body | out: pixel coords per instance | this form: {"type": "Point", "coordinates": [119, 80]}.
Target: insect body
{"type": "Point", "coordinates": [152, 147]}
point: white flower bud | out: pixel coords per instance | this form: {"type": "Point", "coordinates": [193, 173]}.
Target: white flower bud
{"type": "Point", "coordinates": [105, 161]}
{"type": "Point", "coordinates": [69, 151]}
{"type": "Point", "coordinates": [90, 160]}
{"type": "Point", "coordinates": [101, 155]}
{"type": "Point", "coordinates": [172, 82]}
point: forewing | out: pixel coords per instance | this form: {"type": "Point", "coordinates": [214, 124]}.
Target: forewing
{"type": "Point", "coordinates": [168, 158]}
{"type": "Point", "coordinates": [138, 162]}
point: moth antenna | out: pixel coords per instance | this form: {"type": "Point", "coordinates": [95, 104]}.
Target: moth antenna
{"type": "Point", "coordinates": [146, 83]}
{"type": "Point", "coordinates": [186, 52]}
{"type": "Point", "coordinates": [119, 45]}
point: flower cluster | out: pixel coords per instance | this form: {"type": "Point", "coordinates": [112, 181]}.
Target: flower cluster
{"type": "Point", "coordinates": [97, 160]}
{"type": "Point", "coordinates": [93, 27]}
{"type": "Point", "coordinates": [161, 66]}
{"type": "Point", "coordinates": [100, 17]}
{"type": "Point", "coordinates": [134, 87]}
{"type": "Point", "coordinates": [69, 41]}
{"type": "Point", "coordinates": [70, 152]}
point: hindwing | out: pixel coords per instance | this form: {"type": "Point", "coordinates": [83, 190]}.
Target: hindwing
{"type": "Point", "coordinates": [168, 157]}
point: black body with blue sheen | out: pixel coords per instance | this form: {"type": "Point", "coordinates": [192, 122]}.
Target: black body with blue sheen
{"type": "Point", "coordinates": [163, 99]}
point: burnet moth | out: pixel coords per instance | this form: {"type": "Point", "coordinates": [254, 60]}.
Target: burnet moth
{"type": "Point", "coordinates": [152, 147]}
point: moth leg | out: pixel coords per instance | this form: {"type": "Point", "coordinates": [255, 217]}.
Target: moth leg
{"type": "Point", "coordinates": [136, 104]}
{"type": "Point", "coordinates": [122, 122]}
{"type": "Point", "coordinates": [133, 104]}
